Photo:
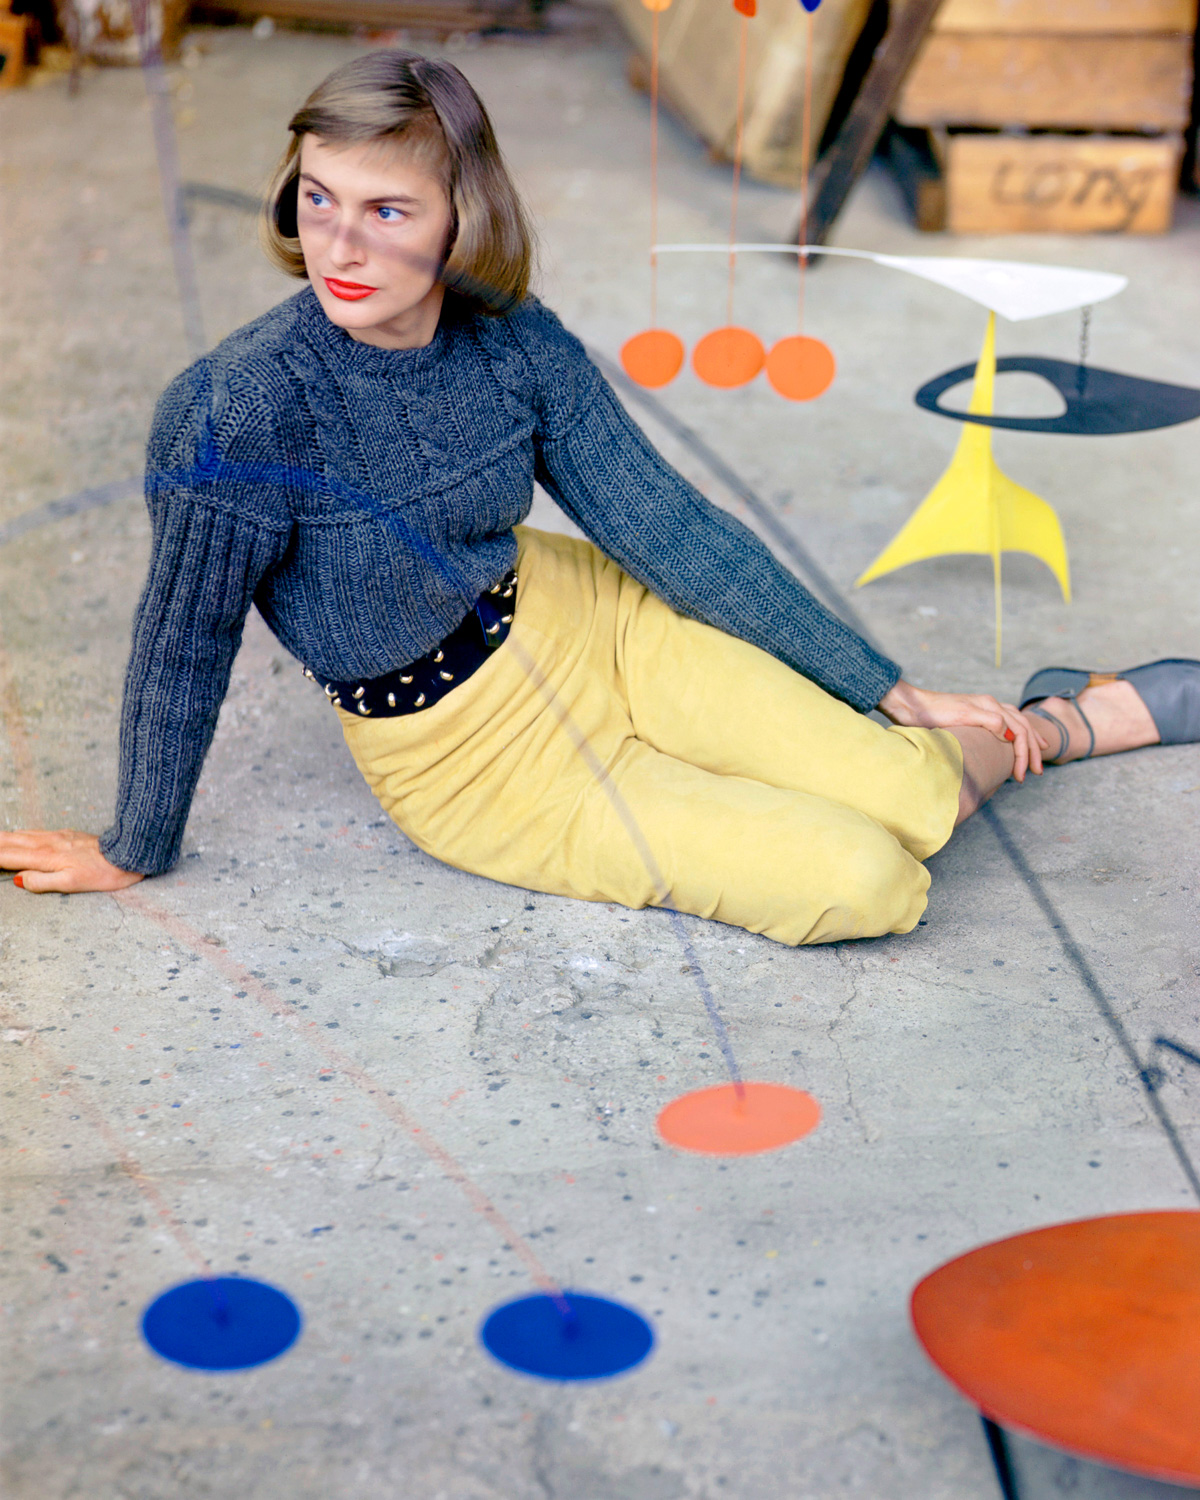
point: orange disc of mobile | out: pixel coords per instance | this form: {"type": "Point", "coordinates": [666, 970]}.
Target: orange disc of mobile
{"type": "Point", "coordinates": [739, 1119]}
{"type": "Point", "coordinates": [652, 358]}
{"type": "Point", "coordinates": [728, 357]}
{"type": "Point", "coordinates": [801, 368]}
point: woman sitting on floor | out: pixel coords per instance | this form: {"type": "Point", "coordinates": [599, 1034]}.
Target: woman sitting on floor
{"type": "Point", "coordinates": [659, 716]}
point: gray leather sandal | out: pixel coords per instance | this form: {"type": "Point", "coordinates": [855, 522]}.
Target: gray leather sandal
{"type": "Point", "coordinates": [1170, 689]}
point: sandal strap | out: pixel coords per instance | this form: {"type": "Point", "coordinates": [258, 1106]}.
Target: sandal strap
{"type": "Point", "coordinates": [1087, 724]}
{"type": "Point", "coordinates": [1064, 739]}
{"type": "Point", "coordinates": [1064, 736]}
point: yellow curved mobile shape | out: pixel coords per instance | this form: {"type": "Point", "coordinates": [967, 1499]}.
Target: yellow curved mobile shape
{"type": "Point", "coordinates": [976, 508]}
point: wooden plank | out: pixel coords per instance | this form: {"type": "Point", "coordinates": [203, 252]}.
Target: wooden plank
{"type": "Point", "coordinates": [1096, 16]}
{"type": "Point", "coordinates": [1061, 184]}
{"type": "Point", "coordinates": [444, 16]}
{"type": "Point", "coordinates": [847, 158]}
{"type": "Point", "coordinates": [1101, 82]}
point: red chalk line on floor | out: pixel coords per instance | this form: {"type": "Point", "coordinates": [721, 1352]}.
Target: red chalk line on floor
{"type": "Point", "coordinates": [342, 1063]}
{"type": "Point", "coordinates": [127, 1162]}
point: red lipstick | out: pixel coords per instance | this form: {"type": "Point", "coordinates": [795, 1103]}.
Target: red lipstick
{"type": "Point", "coordinates": [349, 291]}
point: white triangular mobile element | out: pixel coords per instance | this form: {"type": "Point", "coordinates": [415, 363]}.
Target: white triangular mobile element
{"type": "Point", "coordinates": [1015, 289]}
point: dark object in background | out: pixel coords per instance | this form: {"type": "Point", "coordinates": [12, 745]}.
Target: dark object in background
{"type": "Point", "coordinates": [44, 21]}
{"type": "Point", "coordinates": [850, 153]}
{"type": "Point", "coordinates": [918, 174]}
{"type": "Point", "coordinates": [1191, 160]}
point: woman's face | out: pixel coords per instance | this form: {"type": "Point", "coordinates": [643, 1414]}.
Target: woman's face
{"type": "Point", "coordinates": [373, 228]}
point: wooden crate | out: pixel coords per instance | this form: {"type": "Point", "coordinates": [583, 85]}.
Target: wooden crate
{"type": "Point", "coordinates": [1136, 82]}
{"type": "Point", "coordinates": [1100, 17]}
{"type": "Point", "coordinates": [698, 62]}
{"type": "Point", "coordinates": [974, 183]}
{"type": "Point", "coordinates": [12, 50]}
{"type": "Point", "coordinates": [1061, 184]}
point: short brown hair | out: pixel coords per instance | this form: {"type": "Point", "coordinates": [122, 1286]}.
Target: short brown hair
{"type": "Point", "coordinates": [428, 104]}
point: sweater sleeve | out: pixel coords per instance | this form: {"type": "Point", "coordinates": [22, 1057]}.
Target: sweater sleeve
{"type": "Point", "coordinates": [605, 474]}
{"type": "Point", "coordinates": [207, 559]}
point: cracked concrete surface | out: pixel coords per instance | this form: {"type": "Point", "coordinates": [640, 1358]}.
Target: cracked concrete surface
{"type": "Point", "coordinates": [232, 1069]}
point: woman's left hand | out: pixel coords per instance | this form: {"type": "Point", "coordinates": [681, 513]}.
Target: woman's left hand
{"type": "Point", "coordinates": [921, 708]}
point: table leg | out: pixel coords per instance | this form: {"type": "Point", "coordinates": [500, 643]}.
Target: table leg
{"type": "Point", "coordinates": [1001, 1457]}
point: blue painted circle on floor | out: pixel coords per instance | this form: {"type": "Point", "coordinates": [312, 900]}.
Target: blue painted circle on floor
{"type": "Point", "coordinates": [596, 1338]}
{"type": "Point", "coordinates": [221, 1323]}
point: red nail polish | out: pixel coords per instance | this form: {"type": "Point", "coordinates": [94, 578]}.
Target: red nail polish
{"type": "Point", "coordinates": [1009, 735]}
{"type": "Point", "coordinates": [18, 881]}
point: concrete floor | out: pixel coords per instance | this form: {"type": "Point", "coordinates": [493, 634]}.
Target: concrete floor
{"type": "Point", "coordinates": [970, 1087]}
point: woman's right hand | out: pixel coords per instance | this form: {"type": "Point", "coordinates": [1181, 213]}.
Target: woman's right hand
{"type": "Point", "coordinates": [61, 861]}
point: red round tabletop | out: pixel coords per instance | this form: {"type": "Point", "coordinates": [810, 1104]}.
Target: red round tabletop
{"type": "Point", "coordinates": [1084, 1335]}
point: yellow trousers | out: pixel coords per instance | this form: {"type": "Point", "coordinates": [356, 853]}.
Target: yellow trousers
{"type": "Point", "coordinates": [613, 750]}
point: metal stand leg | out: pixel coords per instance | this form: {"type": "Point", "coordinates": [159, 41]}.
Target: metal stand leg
{"type": "Point", "coordinates": [1001, 1458]}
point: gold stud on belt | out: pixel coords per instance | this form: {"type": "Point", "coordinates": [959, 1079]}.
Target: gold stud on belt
{"type": "Point", "coordinates": [359, 691]}
{"type": "Point", "coordinates": [492, 629]}
{"type": "Point", "coordinates": [363, 709]}
{"type": "Point", "coordinates": [446, 676]}
{"type": "Point", "coordinates": [406, 680]}
{"type": "Point", "coordinates": [420, 700]}
{"type": "Point", "coordinates": [392, 698]}
{"type": "Point", "coordinates": [440, 655]}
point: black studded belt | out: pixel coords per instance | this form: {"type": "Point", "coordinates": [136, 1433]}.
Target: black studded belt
{"type": "Point", "coordinates": [422, 683]}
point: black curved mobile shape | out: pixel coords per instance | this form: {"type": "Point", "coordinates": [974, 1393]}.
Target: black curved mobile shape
{"type": "Point", "coordinates": [1100, 403]}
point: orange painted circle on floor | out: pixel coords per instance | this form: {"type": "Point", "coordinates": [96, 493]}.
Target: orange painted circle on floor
{"type": "Point", "coordinates": [801, 368]}
{"type": "Point", "coordinates": [1085, 1335]}
{"type": "Point", "coordinates": [732, 1121]}
{"type": "Point", "coordinates": [652, 358]}
{"type": "Point", "coordinates": [728, 357]}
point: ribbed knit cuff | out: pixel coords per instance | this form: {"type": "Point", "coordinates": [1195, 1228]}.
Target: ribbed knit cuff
{"type": "Point", "coordinates": [127, 855]}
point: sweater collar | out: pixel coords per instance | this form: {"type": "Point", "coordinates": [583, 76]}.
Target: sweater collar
{"type": "Point", "coordinates": [369, 358]}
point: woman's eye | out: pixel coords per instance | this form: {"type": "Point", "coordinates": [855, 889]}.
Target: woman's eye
{"type": "Point", "coordinates": [318, 200]}
{"type": "Point", "coordinates": [390, 215]}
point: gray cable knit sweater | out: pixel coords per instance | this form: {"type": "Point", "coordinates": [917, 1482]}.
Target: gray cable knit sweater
{"type": "Point", "coordinates": [363, 498]}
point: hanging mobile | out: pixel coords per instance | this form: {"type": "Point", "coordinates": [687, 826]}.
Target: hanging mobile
{"type": "Point", "coordinates": [799, 367]}
{"type": "Point", "coordinates": [654, 357]}
{"type": "Point", "coordinates": [732, 356]}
